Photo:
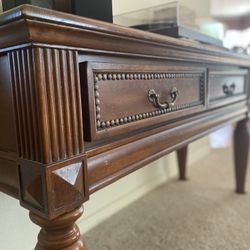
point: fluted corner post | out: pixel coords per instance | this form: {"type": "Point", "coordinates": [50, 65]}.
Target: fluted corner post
{"type": "Point", "coordinates": [241, 151]}
{"type": "Point", "coordinates": [49, 126]}
{"type": "Point", "coordinates": [182, 155]}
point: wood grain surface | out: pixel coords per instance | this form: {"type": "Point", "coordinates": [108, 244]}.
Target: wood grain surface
{"type": "Point", "coordinates": [76, 114]}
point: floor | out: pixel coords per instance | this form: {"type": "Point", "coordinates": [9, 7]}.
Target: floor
{"type": "Point", "coordinates": [202, 213]}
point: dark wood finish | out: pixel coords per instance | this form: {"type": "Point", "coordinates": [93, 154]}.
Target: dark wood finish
{"type": "Point", "coordinates": [8, 146]}
{"type": "Point", "coordinates": [121, 102]}
{"type": "Point", "coordinates": [227, 87]}
{"type": "Point", "coordinates": [46, 88]}
{"type": "Point", "coordinates": [182, 155]}
{"type": "Point", "coordinates": [110, 165]}
{"type": "Point", "coordinates": [61, 233]}
{"type": "Point", "coordinates": [241, 152]}
{"type": "Point", "coordinates": [48, 112]}
{"type": "Point", "coordinates": [76, 116]}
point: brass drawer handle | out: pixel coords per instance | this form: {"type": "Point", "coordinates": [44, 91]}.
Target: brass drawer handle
{"type": "Point", "coordinates": [155, 98]}
{"type": "Point", "coordinates": [229, 90]}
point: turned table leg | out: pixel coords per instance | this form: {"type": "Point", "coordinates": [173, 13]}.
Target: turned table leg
{"type": "Point", "coordinates": [61, 233]}
{"type": "Point", "coordinates": [182, 162]}
{"type": "Point", "coordinates": [241, 146]}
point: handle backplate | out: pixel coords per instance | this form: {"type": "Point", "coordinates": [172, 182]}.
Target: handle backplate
{"type": "Point", "coordinates": [155, 98]}
{"type": "Point", "coordinates": [229, 90]}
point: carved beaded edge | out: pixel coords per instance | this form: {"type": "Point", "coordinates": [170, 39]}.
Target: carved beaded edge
{"type": "Point", "coordinates": [142, 76]}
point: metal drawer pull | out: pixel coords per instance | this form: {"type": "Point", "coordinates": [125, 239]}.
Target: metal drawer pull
{"type": "Point", "coordinates": [229, 90]}
{"type": "Point", "coordinates": [155, 98]}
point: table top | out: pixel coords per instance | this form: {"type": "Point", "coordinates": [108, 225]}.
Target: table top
{"type": "Point", "coordinates": [35, 25]}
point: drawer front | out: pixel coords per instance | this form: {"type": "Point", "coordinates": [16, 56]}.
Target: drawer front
{"type": "Point", "coordinates": [227, 87]}
{"type": "Point", "coordinates": [123, 98]}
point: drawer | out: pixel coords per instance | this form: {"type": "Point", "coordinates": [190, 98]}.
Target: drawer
{"type": "Point", "coordinates": [227, 86]}
{"type": "Point", "coordinates": [121, 98]}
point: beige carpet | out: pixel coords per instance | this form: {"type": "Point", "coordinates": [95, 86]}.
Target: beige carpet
{"type": "Point", "coordinates": [200, 214]}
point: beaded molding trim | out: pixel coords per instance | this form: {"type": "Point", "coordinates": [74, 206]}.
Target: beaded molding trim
{"type": "Point", "coordinates": [141, 76]}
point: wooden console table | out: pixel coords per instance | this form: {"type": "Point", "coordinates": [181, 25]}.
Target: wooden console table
{"type": "Point", "coordinates": [84, 103]}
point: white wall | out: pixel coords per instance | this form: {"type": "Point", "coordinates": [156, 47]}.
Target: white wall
{"type": "Point", "coordinates": [230, 8]}
{"type": "Point", "coordinates": [17, 232]}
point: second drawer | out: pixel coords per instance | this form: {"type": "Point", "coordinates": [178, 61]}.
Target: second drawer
{"type": "Point", "coordinates": [227, 86]}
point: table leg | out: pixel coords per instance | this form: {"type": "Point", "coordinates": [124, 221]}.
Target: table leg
{"type": "Point", "coordinates": [61, 233]}
{"type": "Point", "coordinates": [182, 162]}
{"type": "Point", "coordinates": [241, 146]}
